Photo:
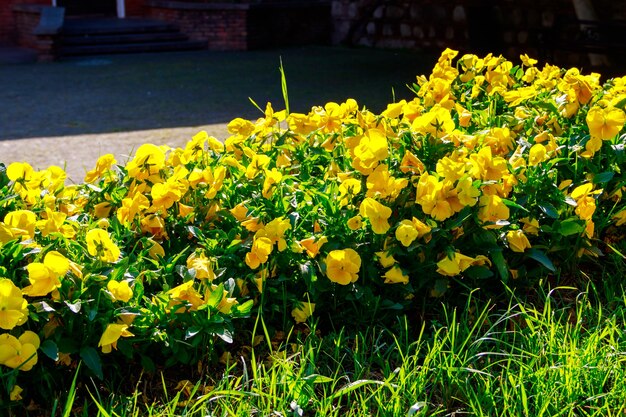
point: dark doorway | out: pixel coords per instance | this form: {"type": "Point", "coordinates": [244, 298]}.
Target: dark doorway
{"type": "Point", "coordinates": [88, 7]}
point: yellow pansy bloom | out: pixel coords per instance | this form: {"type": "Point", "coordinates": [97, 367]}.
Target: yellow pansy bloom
{"type": "Point", "coordinates": [13, 307]}
{"type": "Point", "coordinates": [312, 245]}
{"type": "Point", "coordinates": [396, 276]}
{"type": "Point", "coordinates": [343, 265]}
{"type": "Point", "coordinates": [103, 164]}
{"type": "Point", "coordinates": [111, 335]}
{"type": "Point", "coordinates": [19, 352]}
{"type": "Point", "coordinates": [377, 214]}
{"type": "Point", "coordinates": [406, 232]}
{"type": "Point", "coordinates": [304, 310]}
{"type": "Point", "coordinates": [517, 240]}
{"type": "Point", "coordinates": [120, 290]}
{"type": "Point", "coordinates": [605, 123]}
{"type": "Point", "coordinates": [99, 244]}
{"type": "Point", "coordinates": [45, 277]}
{"type": "Point", "coordinates": [455, 265]}
{"type": "Point", "coordinates": [202, 265]}
{"type": "Point", "coordinates": [261, 249]}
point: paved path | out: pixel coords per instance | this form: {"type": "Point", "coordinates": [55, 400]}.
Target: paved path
{"type": "Point", "coordinates": [70, 112]}
{"type": "Point", "coordinates": [78, 154]}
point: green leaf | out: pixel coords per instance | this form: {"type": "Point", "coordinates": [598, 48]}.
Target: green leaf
{"type": "Point", "coordinates": [50, 349]}
{"type": "Point", "coordinates": [478, 272]}
{"type": "Point", "coordinates": [603, 177]}
{"type": "Point", "coordinates": [317, 379]}
{"type": "Point", "coordinates": [147, 364]}
{"type": "Point", "coordinates": [549, 210]}
{"type": "Point", "coordinates": [91, 358]}
{"type": "Point", "coordinates": [74, 307]}
{"type": "Point", "coordinates": [225, 335]}
{"type": "Point", "coordinates": [571, 226]}
{"type": "Point", "coordinates": [192, 331]}
{"type": "Point", "coordinates": [498, 259]}
{"type": "Point", "coordinates": [541, 257]}
{"type": "Point", "coordinates": [513, 204]}
{"type": "Point", "coordinates": [216, 296]}
{"type": "Point", "coordinates": [244, 308]}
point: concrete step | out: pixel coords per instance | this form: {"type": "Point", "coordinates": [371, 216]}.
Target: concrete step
{"type": "Point", "coordinates": [121, 48]}
{"type": "Point", "coordinates": [122, 38]}
{"type": "Point", "coordinates": [110, 26]}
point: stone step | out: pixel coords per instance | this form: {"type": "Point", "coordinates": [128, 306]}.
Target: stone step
{"type": "Point", "coordinates": [121, 48]}
{"type": "Point", "coordinates": [110, 26]}
{"type": "Point", "coordinates": [122, 38]}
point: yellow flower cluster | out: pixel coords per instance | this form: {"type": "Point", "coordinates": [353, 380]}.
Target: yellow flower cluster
{"type": "Point", "coordinates": [489, 167]}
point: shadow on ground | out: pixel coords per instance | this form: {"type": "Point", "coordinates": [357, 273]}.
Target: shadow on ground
{"type": "Point", "coordinates": [105, 94]}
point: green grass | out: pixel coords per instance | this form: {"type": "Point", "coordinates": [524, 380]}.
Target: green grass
{"type": "Point", "coordinates": [562, 354]}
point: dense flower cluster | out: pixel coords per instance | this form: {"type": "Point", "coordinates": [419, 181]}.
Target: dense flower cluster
{"type": "Point", "coordinates": [492, 171]}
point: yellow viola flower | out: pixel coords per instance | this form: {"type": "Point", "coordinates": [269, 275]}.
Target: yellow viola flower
{"type": "Point", "coordinates": [396, 276]}
{"type": "Point", "coordinates": [155, 250]}
{"type": "Point", "coordinates": [355, 222]}
{"type": "Point", "coordinates": [45, 276]}
{"type": "Point", "coordinates": [257, 165]}
{"type": "Point", "coordinates": [385, 259]}
{"type": "Point", "coordinates": [454, 266]}
{"type": "Point", "coordinates": [303, 311]}
{"type": "Point", "coordinates": [466, 192]}
{"type": "Point", "coordinates": [112, 333]}
{"type": "Point", "coordinates": [19, 352]}
{"type": "Point", "coordinates": [16, 392]}
{"type": "Point", "coordinates": [370, 150]}
{"type": "Point", "coordinates": [411, 164]}
{"type": "Point", "coordinates": [147, 162]}
{"type": "Point", "coordinates": [517, 240]}
{"type": "Point", "coordinates": [13, 307]}
{"type": "Point", "coordinates": [103, 164]}
{"type": "Point", "coordinates": [275, 232]}
{"type": "Point", "coordinates": [20, 172]}
{"type": "Point", "coordinates": [381, 184]}
{"type": "Point", "coordinates": [120, 290]}
{"type": "Point", "coordinates": [239, 212]}
{"type": "Point", "coordinates": [131, 207]}
{"type": "Point", "coordinates": [261, 249]}
{"type": "Point", "coordinates": [312, 245]}
{"type": "Point", "coordinates": [99, 244]}
{"type": "Point", "coordinates": [272, 179]}
{"type": "Point", "coordinates": [406, 232]}
{"type": "Point", "coordinates": [492, 210]}
{"type": "Point", "coordinates": [605, 123]}
{"type": "Point", "coordinates": [530, 226]}
{"type": "Point", "coordinates": [436, 122]}
{"type": "Point", "coordinates": [377, 214]}
{"type": "Point", "coordinates": [537, 154]}
{"type": "Point", "coordinates": [202, 265]}
{"type": "Point", "coordinates": [184, 297]}
{"type": "Point", "coordinates": [21, 223]}
{"type": "Point", "coordinates": [343, 265]}
{"type": "Point", "coordinates": [487, 167]}
{"type": "Point", "coordinates": [348, 189]}
{"type": "Point", "coordinates": [164, 195]}
{"type": "Point", "coordinates": [620, 218]}
{"type": "Point", "coordinates": [155, 225]}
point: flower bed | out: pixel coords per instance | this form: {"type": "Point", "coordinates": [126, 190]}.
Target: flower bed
{"type": "Point", "coordinates": [493, 173]}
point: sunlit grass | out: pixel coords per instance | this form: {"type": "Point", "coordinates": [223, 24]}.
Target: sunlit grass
{"type": "Point", "coordinates": [562, 354]}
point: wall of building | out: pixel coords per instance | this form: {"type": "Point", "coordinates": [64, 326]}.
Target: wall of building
{"type": "Point", "coordinates": [509, 27]}
{"type": "Point", "coordinates": [8, 32]}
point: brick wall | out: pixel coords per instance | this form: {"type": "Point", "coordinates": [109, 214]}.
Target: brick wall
{"type": "Point", "coordinates": [223, 27]}
{"type": "Point", "coordinates": [509, 27]}
{"type": "Point", "coordinates": [243, 26]}
{"type": "Point", "coordinates": [7, 18]}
